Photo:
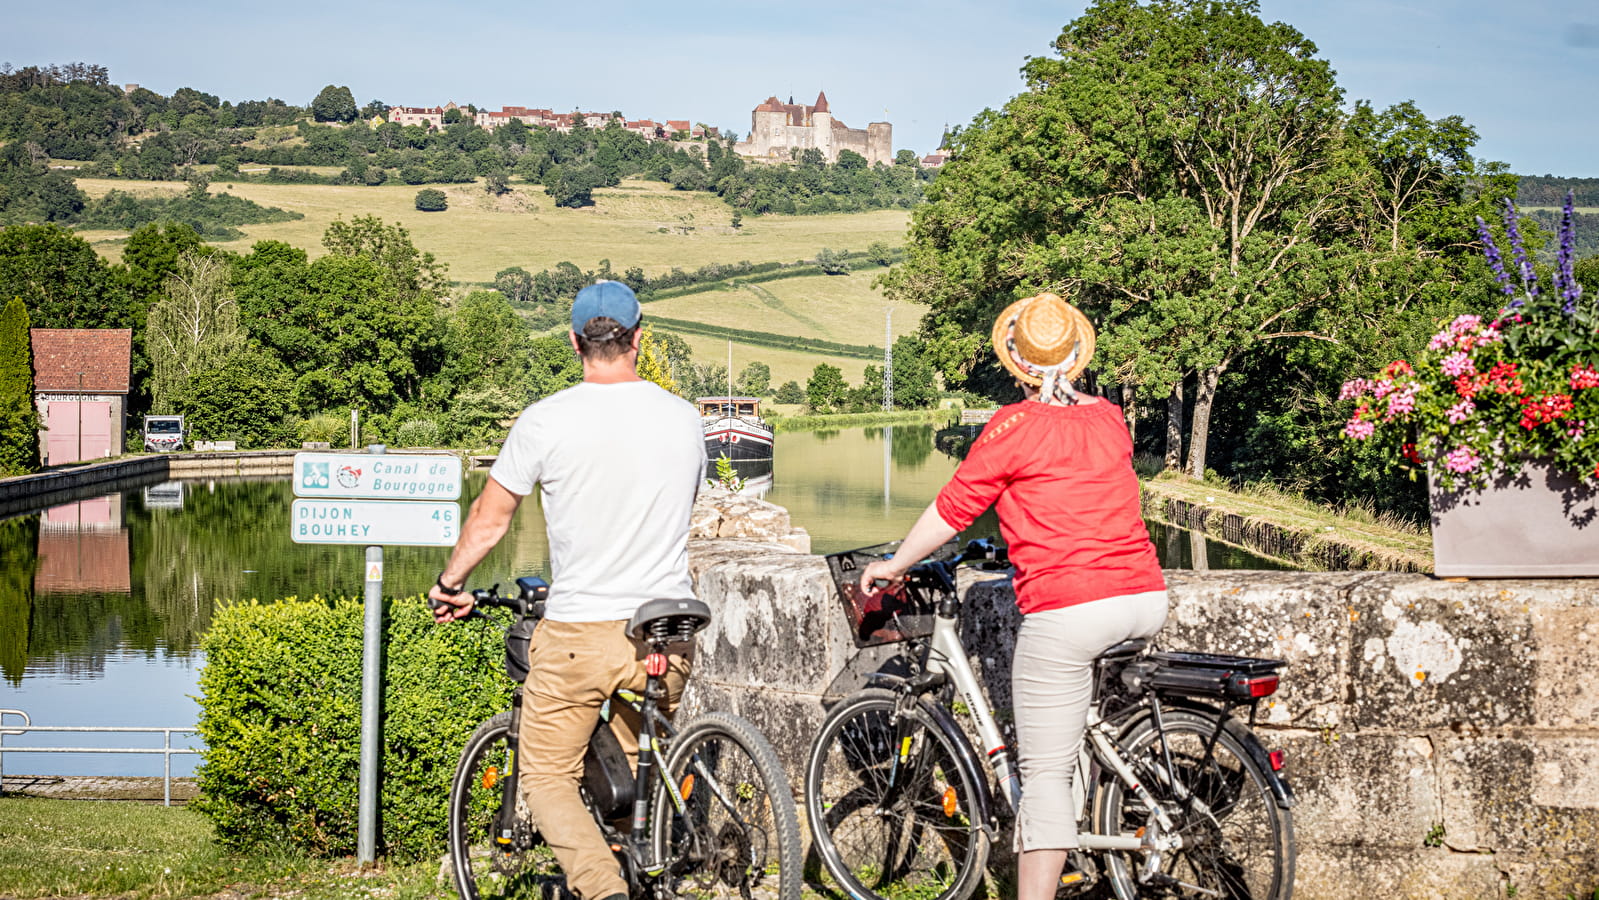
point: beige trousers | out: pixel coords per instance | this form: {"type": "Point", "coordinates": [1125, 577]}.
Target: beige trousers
{"type": "Point", "coordinates": [573, 668]}
{"type": "Point", "coordinates": [1052, 683]}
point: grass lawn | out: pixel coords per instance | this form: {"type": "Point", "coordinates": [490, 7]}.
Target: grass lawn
{"type": "Point", "coordinates": [843, 308]}
{"type": "Point", "coordinates": [637, 223]}
{"type": "Point", "coordinates": [87, 848]}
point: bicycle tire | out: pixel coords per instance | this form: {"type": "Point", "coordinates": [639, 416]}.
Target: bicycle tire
{"type": "Point", "coordinates": [1243, 846]}
{"type": "Point", "coordinates": [482, 869]}
{"type": "Point", "coordinates": [738, 831]}
{"type": "Point", "coordinates": [931, 843]}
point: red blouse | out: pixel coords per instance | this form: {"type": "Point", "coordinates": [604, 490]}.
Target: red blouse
{"type": "Point", "coordinates": [1061, 478]}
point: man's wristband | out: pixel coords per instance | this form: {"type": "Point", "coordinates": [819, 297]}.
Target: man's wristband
{"type": "Point", "coordinates": [454, 592]}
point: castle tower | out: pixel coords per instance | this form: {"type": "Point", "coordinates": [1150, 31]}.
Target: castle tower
{"type": "Point", "coordinates": [822, 128]}
{"type": "Point", "coordinates": [880, 143]}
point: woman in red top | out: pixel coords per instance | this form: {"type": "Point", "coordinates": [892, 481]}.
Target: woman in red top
{"type": "Point", "coordinates": [1058, 468]}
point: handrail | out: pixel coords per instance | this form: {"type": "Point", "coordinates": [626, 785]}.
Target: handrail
{"type": "Point", "coordinates": [167, 751]}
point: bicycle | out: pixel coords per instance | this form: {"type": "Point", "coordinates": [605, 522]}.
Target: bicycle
{"type": "Point", "coordinates": [1177, 797]}
{"type": "Point", "coordinates": [707, 809]}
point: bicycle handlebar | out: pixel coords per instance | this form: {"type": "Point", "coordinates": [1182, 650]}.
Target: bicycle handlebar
{"type": "Point", "coordinates": [530, 591]}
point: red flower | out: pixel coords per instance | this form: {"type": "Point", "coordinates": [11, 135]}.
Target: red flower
{"type": "Point", "coordinates": [1398, 367]}
{"type": "Point", "coordinates": [1467, 386]}
{"type": "Point", "coordinates": [1504, 378]}
{"type": "Point", "coordinates": [1584, 377]}
{"type": "Point", "coordinates": [1536, 411]}
{"type": "Point", "coordinates": [1408, 451]}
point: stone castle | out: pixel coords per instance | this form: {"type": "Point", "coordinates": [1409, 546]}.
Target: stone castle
{"type": "Point", "coordinates": [777, 128]}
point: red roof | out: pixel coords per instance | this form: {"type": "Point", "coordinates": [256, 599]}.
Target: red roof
{"type": "Point", "coordinates": [821, 103]}
{"type": "Point", "coordinates": [103, 357]}
{"type": "Point", "coordinates": [677, 124]}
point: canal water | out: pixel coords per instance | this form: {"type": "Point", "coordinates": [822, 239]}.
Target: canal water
{"type": "Point", "coordinates": [103, 600]}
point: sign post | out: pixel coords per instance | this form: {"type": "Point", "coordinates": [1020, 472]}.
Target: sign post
{"type": "Point", "coordinates": [374, 499]}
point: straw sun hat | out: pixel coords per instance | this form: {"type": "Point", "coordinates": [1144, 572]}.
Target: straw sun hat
{"type": "Point", "coordinates": [1043, 338]}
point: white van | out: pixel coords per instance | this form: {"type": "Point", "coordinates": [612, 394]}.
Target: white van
{"type": "Point", "coordinates": [163, 433]}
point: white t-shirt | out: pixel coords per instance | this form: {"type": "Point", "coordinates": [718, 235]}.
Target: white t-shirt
{"type": "Point", "coordinates": [619, 465]}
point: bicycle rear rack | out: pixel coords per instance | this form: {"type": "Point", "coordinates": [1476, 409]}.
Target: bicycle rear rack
{"type": "Point", "coordinates": [167, 751]}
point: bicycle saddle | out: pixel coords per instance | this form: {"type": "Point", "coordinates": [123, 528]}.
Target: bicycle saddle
{"type": "Point", "coordinates": [1125, 649]}
{"type": "Point", "coordinates": [671, 620]}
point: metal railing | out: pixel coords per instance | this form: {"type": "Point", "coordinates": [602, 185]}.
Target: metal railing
{"type": "Point", "coordinates": [167, 751]}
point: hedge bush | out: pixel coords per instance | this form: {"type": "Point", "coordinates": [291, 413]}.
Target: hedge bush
{"type": "Point", "coordinates": [280, 716]}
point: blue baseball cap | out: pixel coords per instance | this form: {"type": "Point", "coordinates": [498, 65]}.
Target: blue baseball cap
{"type": "Point", "coordinates": [611, 299]}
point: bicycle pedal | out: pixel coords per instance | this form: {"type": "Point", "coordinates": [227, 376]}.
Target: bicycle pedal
{"type": "Point", "coordinates": [1080, 874]}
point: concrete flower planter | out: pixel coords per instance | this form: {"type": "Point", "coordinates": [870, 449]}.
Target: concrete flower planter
{"type": "Point", "coordinates": [1533, 523]}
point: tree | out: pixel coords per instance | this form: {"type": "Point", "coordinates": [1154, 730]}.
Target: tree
{"type": "Point", "coordinates": [334, 104]}
{"type": "Point", "coordinates": [495, 184]}
{"type": "Point", "coordinates": [653, 364]}
{"type": "Point", "coordinates": [831, 262]}
{"type": "Point", "coordinates": [755, 380]}
{"type": "Point", "coordinates": [60, 279]}
{"type": "Point", "coordinates": [915, 385]}
{"type": "Point", "coordinates": [412, 272]}
{"type": "Point", "coordinates": [19, 418]}
{"type": "Point", "coordinates": [431, 200]}
{"type": "Point", "coordinates": [246, 398]}
{"type": "Point", "coordinates": [192, 328]}
{"type": "Point", "coordinates": [790, 392]}
{"type": "Point", "coordinates": [826, 391]}
{"type": "Point", "coordinates": [515, 283]}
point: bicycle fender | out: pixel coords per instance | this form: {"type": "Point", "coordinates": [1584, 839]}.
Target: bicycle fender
{"type": "Point", "coordinates": [1280, 791]}
{"type": "Point", "coordinates": [967, 759]}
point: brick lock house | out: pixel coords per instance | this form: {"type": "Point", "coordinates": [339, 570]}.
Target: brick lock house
{"type": "Point", "coordinates": [80, 386]}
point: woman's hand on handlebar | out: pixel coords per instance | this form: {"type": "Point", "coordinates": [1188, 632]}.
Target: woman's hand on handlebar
{"type": "Point", "coordinates": [882, 570]}
{"type": "Point", "coordinates": [447, 606]}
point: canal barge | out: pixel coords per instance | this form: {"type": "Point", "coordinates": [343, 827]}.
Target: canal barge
{"type": "Point", "coordinates": [734, 428]}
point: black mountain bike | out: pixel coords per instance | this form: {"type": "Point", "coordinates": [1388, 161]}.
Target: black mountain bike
{"type": "Point", "coordinates": [1178, 798]}
{"type": "Point", "coordinates": [708, 811]}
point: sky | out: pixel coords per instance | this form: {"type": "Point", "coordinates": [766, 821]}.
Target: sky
{"type": "Point", "coordinates": [1518, 72]}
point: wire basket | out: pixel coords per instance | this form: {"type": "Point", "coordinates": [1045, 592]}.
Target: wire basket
{"type": "Point", "coordinates": [899, 613]}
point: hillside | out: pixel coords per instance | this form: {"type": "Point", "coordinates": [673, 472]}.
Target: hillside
{"type": "Point", "coordinates": [638, 223]}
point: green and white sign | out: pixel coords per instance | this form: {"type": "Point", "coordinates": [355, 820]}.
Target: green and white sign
{"type": "Point", "coordinates": [365, 476]}
{"type": "Point", "coordinates": [376, 522]}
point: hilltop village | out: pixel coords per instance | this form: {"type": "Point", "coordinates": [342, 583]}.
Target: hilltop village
{"type": "Point", "coordinates": [777, 129]}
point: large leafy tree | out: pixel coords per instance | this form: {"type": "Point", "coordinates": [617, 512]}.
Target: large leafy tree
{"type": "Point", "coordinates": [334, 104]}
{"type": "Point", "coordinates": [61, 279]}
{"type": "Point", "coordinates": [194, 327]}
{"type": "Point", "coordinates": [1186, 173]}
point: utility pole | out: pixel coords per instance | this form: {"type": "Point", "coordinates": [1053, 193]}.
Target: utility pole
{"type": "Point", "coordinates": [888, 361]}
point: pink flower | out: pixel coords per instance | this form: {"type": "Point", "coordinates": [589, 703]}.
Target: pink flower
{"type": "Point", "coordinates": [1584, 377]}
{"type": "Point", "coordinates": [1402, 401]}
{"type": "Point", "coordinates": [1353, 389]}
{"type": "Point", "coordinates": [1464, 324]}
{"type": "Point", "coordinates": [1359, 429]}
{"type": "Point", "coordinates": [1460, 411]}
{"type": "Point", "coordinates": [1461, 460]}
{"type": "Point", "coordinates": [1382, 389]}
{"type": "Point", "coordinates": [1441, 340]}
{"type": "Point", "coordinates": [1576, 431]}
{"type": "Point", "coordinates": [1457, 364]}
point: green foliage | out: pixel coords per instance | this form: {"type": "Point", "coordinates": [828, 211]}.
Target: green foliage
{"type": "Point", "coordinates": [915, 385]}
{"type": "Point", "coordinates": [212, 216]}
{"type": "Point", "coordinates": [18, 538]}
{"type": "Point", "coordinates": [60, 278]}
{"type": "Point", "coordinates": [248, 398]}
{"type": "Point", "coordinates": [515, 283]}
{"type": "Point", "coordinates": [417, 433]}
{"type": "Point", "coordinates": [192, 327]}
{"type": "Point", "coordinates": [19, 418]}
{"type": "Point", "coordinates": [755, 380]}
{"type": "Point", "coordinates": [430, 200]}
{"type": "Point", "coordinates": [789, 392]}
{"type": "Point", "coordinates": [825, 391]}
{"type": "Point", "coordinates": [280, 716]}
{"type": "Point", "coordinates": [726, 476]}
{"type": "Point", "coordinates": [334, 104]}
{"type": "Point", "coordinates": [831, 262]}
{"type": "Point", "coordinates": [328, 427]}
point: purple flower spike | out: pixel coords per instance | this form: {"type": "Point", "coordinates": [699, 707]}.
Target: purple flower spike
{"type": "Point", "coordinates": [1495, 261]}
{"type": "Point", "coordinates": [1529, 278]}
{"type": "Point", "coordinates": [1565, 280]}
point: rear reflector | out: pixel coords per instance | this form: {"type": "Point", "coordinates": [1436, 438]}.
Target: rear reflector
{"type": "Point", "coordinates": [1262, 687]}
{"type": "Point", "coordinates": [1277, 759]}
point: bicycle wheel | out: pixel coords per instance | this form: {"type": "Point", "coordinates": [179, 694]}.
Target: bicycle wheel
{"type": "Point", "coordinates": [920, 835]}
{"type": "Point", "coordinates": [737, 833]}
{"type": "Point", "coordinates": [484, 868]}
{"type": "Point", "coordinates": [1237, 843]}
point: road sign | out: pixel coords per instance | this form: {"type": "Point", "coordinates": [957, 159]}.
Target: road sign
{"type": "Point", "coordinates": [376, 523]}
{"type": "Point", "coordinates": [388, 476]}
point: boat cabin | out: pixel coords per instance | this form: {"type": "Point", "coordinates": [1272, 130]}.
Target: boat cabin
{"type": "Point", "coordinates": [743, 407]}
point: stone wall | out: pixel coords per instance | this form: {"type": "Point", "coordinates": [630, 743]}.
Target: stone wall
{"type": "Point", "coordinates": [1442, 738]}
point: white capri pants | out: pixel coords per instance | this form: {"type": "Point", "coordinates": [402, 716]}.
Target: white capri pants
{"type": "Point", "coordinates": [1052, 678]}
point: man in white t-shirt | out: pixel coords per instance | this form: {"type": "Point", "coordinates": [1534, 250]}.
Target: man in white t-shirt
{"type": "Point", "coordinates": [619, 461]}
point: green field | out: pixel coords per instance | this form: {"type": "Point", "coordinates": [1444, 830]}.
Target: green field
{"type": "Point", "coordinates": [786, 365]}
{"type": "Point", "coordinates": [843, 308]}
{"type": "Point", "coordinates": [638, 223]}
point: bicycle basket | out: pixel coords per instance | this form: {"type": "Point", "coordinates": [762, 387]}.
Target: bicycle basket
{"type": "Point", "coordinates": [899, 613]}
